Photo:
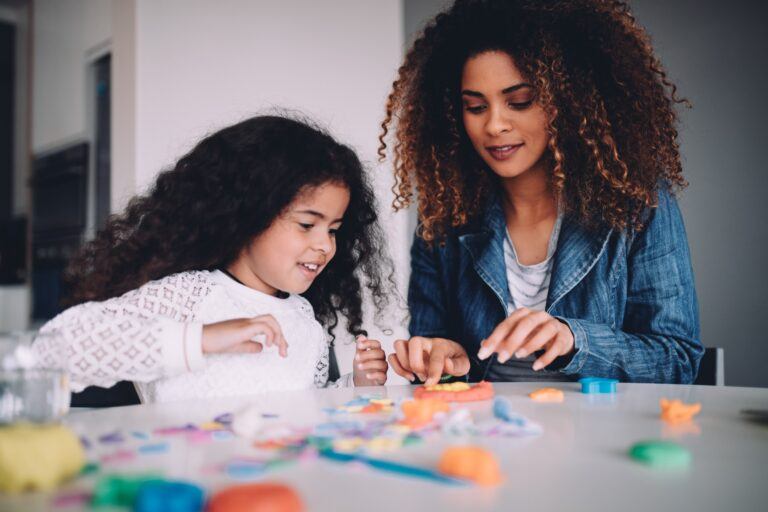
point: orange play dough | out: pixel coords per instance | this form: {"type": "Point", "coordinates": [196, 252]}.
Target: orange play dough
{"type": "Point", "coordinates": [265, 497]}
{"type": "Point", "coordinates": [471, 463]}
{"type": "Point", "coordinates": [675, 411]}
{"type": "Point", "coordinates": [419, 413]}
{"type": "Point", "coordinates": [547, 395]}
{"type": "Point", "coordinates": [447, 392]}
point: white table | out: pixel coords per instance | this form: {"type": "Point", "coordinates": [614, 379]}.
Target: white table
{"type": "Point", "coordinates": [579, 463]}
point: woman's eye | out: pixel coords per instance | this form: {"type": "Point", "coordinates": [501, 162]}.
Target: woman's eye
{"type": "Point", "coordinates": [333, 232]}
{"type": "Point", "coordinates": [474, 109]}
{"type": "Point", "coordinates": [306, 227]}
{"type": "Point", "coordinates": [520, 105]}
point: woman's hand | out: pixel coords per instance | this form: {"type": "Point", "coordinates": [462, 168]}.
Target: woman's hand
{"type": "Point", "coordinates": [370, 365]}
{"type": "Point", "coordinates": [238, 336]}
{"type": "Point", "coordinates": [429, 359]}
{"type": "Point", "coordinates": [525, 331]}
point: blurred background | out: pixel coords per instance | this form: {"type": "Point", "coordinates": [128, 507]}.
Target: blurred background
{"type": "Point", "coordinates": [97, 96]}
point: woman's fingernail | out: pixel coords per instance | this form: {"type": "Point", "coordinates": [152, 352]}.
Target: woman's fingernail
{"type": "Point", "coordinates": [537, 366]}
{"type": "Point", "coordinates": [484, 352]}
{"type": "Point", "coordinates": [503, 356]}
{"type": "Point", "coordinates": [520, 354]}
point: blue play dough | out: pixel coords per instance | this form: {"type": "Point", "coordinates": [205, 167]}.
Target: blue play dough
{"type": "Point", "coordinates": [597, 385]}
{"type": "Point", "coordinates": [169, 497]}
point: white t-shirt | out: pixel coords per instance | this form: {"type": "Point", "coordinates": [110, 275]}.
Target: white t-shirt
{"type": "Point", "coordinates": [153, 337]}
{"type": "Point", "coordinates": [529, 284]}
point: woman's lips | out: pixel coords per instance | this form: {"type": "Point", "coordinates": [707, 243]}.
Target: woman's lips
{"type": "Point", "coordinates": [503, 152]}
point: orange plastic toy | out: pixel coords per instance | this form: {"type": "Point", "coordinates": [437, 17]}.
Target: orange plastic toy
{"type": "Point", "coordinates": [456, 392]}
{"type": "Point", "coordinates": [472, 463]}
{"type": "Point", "coordinates": [675, 411]}
{"type": "Point", "coordinates": [419, 413]}
{"type": "Point", "coordinates": [265, 497]}
{"type": "Point", "coordinates": [547, 395]}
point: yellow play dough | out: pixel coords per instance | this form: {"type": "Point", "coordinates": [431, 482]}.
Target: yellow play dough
{"type": "Point", "coordinates": [37, 457]}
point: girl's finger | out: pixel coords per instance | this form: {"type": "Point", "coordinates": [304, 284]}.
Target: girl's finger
{"type": "Point", "coordinates": [394, 362]}
{"type": "Point", "coordinates": [377, 378]}
{"type": "Point", "coordinates": [373, 365]}
{"type": "Point", "coordinates": [542, 336]}
{"type": "Point", "coordinates": [370, 354]}
{"type": "Point", "coordinates": [258, 327]}
{"type": "Point", "coordinates": [249, 347]}
{"type": "Point", "coordinates": [368, 344]}
{"type": "Point", "coordinates": [279, 339]}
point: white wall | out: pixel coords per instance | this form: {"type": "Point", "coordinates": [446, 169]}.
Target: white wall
{"type": "Point", "coordinates": [198, 66]}
{"type": "Point", "coordinates": [67, 33]}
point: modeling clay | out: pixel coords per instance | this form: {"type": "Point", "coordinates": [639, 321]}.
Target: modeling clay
{"type": "Point", "coordinates": [675, 411]}
{"type": "Point", "coordinates": [262, 497]}
{"type": "Point", "coordinates": [161, 496]}
{"type": "Point", "coordinates": [419, 413]}
{"type": "Point", "coordinates": [547, 395]}
{"type": "Point", "coordinates": [456, 391]}
{"type": "Point", "coordinates": [38, 457]}
{"type": "Point", "coordinates": [472, 463]}
{"type": "Point", "coordinates": [661, 454]}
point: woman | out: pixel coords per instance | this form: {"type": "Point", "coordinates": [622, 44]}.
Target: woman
{"type": "Point", "coordinates": [540, 138]}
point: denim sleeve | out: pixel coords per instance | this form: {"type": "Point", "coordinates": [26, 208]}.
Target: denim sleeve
{"type": "Point", "coordinates": [427, 301]}
{"type": "Point", "coordinates": [659, 340]}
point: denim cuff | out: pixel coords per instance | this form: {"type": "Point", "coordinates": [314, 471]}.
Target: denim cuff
{"type": "Point", "coordinates": [580, 346]}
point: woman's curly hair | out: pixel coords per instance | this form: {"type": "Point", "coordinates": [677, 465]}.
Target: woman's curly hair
{"type": "Point", "coordinates": [610, 106]}
{"type": "Point", "coordinates": [220, 196]}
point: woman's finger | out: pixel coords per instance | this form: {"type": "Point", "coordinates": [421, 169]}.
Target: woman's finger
{"type": "Point", "coordinates": [417, 348]}
{"type": "Point", "coordinates": [490, 344]}
{"type": "Point", "coordinates": [538, 338]}
{"type": "Point", "coordinates": [554, 349]}
{"type": "Point", "coordinates": [394, 362]}
{"type": "Point", "coordinates": [520, 333]}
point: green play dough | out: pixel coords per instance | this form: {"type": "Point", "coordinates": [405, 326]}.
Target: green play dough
{"type": "Point", "coordinates": [660, 454]}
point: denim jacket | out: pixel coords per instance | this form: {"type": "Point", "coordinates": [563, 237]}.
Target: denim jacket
{"type": "Point", "coordinates": [628, 297]}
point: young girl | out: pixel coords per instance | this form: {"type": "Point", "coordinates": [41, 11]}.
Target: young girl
{"type": "Point", "coordinates": [540, 137]}
{"type": "Point", "coordinates": [213, 283]}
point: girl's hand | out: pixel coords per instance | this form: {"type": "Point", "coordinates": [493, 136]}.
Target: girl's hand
{"type": "Point", "coordinates": [429, 358]}
{"type": "Point", "coordinates": [525, 331]}
{"type": "Point", "coordinates": [237, 336]}
{"type": "Point", "coordinates": [370, 365]}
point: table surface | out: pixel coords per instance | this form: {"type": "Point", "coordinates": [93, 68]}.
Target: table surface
{"type": "Point", "coordinates": [579, 462]}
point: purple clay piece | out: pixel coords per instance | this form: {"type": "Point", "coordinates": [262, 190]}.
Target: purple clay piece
{"type": "Point", "coordinates": [224, 419]}
{"type": "Point", "coordinates": [112, 438]}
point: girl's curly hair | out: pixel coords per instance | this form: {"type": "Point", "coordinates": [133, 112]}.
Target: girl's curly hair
{"type": "Point", "coordinates": [220, 196]}
{"type": "Point", "coordinates": [613, 140]}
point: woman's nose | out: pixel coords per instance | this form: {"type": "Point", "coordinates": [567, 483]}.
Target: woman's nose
{"type": "Point", "coordinates": [498, 122]}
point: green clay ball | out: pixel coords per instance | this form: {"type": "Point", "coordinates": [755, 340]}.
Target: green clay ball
{"type": "Point", "coordinates": [661, 454]}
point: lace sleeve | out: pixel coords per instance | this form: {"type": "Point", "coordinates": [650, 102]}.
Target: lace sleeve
{"type": "Point", "coordinates": [142, 335]}
{"type": "Point", "coordinates": [321, 373]}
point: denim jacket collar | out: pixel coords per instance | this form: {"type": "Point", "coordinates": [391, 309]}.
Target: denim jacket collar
{"type": "Point", "coordinates": [577, 252]}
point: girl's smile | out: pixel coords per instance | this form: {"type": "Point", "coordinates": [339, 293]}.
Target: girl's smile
{"type": "Point", "coordinates": [299, 244]}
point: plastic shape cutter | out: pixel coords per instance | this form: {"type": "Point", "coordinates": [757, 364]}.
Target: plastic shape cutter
{"type": "Point", "coordinates": [591, 385]}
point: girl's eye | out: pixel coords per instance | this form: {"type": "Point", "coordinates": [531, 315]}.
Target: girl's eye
{"type": "Point", "coordinates": [333, 232]}
{"type": "Point", "coordinates": [306, 227]}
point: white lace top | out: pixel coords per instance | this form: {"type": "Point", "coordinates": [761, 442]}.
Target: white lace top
{"type": "Point", "coordinates": [152, 336]}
